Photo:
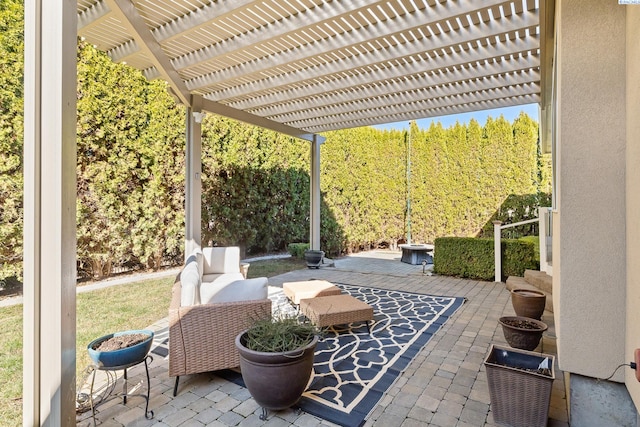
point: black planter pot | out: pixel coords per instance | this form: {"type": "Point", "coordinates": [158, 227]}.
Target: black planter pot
{"type": "Point", "coordinates": [526, 336]}
{"type": "Point", "coordinates": [276, 380]}
{"type": "Point", "coordinates": [313, 258]}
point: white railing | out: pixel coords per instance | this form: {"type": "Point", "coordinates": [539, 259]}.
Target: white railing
{"type": "Point", "coordinates": [544, 230]}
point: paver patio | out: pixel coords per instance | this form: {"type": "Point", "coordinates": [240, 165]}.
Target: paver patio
{"type": "Point", "coordinates": [445, 385]}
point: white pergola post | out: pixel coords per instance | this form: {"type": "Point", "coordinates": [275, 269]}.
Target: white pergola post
{"type": "Point", "coordinates": [497, 250]}
{"type": "Point", "coordinates": [49, 213]}
{"type": "Point", "coordinates": [193, 183]}
{"type": "Point", "coordinates": [314, 214]}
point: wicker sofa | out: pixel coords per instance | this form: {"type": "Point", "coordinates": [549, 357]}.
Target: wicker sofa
{"type": "Point", "coordinates": [206, 316]}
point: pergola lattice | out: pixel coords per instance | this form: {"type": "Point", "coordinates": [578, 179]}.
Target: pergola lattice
{"type": "Point", "coordinates": [308, 66]}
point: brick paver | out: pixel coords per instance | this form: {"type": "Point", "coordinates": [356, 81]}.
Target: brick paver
{"type": "Point", "coordinates": [445, 385]}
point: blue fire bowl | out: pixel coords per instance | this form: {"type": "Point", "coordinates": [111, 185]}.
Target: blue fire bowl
{"type": "Point", "coordinates": [122, 357]}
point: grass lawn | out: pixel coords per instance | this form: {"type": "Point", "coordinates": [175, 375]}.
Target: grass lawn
{"type": "Point", "coordinates": [133, 306]}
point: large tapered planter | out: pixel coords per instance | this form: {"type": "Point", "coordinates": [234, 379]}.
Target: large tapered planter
{"type": "Point", "coordinates": [528, 303]}
{"type": "Point", "coordinates": [313, 258]}
{"type": "Point", "coordinates": [276, 380]}
{"type": "Point", "coordinates": [520, 384]}
{"type": "Point", "coordinates": [522, 332]}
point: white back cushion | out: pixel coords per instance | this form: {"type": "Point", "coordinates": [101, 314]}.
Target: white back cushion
{"type": "Point", "coordinates": [221, 260]}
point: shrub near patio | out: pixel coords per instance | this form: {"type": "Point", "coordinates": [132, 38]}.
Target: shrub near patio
{"type": "Point", "coordinates": [474, 258]}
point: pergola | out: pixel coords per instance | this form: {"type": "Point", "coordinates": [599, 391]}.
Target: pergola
{"type": "Point", "coordinates": [306, 66]}
{"type": "Point", "coordinates": [299, 67]}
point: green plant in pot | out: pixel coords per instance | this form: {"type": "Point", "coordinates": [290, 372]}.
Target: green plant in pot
{"type": "Point", "coordinates": [276, 360]}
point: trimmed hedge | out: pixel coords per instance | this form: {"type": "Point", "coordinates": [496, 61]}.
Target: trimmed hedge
{"type": "Point", "coordinates": [474, 258]}
{"type": "Point", "coordinates": [297, 249]}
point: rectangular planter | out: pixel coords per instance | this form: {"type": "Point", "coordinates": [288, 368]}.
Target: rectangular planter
{"type": "Point", "coordinates": [519, 398]}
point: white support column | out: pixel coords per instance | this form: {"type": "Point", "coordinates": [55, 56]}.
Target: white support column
{"type": "Point", "coordinates": [314, 221]}
{"type": "Point", "coordinates": [545, 132]}
{"type": "Point", "coordinates": [497, 248]}
{"type": "Point", "coordinates": [193, 183]}
{"type": "Point", "coordinates": [49, 213]}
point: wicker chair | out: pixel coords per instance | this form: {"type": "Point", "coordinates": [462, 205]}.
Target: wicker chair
{"type": "Point", "coordinates": [202, 337]}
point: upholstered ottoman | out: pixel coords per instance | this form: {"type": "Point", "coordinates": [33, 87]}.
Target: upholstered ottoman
{"type": "Point", "coordinates": [336, 310]}
{"type": "Point", "coordinates": [297, 291]}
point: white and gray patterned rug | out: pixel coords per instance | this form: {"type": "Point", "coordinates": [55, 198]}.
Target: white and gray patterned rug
{"type": "Point", "coordinates": [352, 368]}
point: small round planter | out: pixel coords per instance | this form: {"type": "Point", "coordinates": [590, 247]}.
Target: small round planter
{"type": "Point", "coordinates": [522, 332]}
{"type": "Point", "coordinates": [122, 357]}
{"type": "Point", "coordinates": [528, 303]}
{"type": "Point", "coordinates": [313, 258]}
{"type": "Point", "coordinates": [276, 380]}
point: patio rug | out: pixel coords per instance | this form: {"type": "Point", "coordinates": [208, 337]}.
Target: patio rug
{"type": "Point", "coordinates": [352, 369]}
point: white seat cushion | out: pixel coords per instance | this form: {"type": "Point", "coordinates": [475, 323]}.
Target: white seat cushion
{"type": "Point", "coordinates": [211, 283]}
{"type": "Point", "coordinates": [221, 279]}
{"type": "Point", "coordinates": [238, 290]}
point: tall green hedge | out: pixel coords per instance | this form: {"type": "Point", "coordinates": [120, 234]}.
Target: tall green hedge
{"type": "Point", "coordinates": [255, 186]}
{"type": "Point", "coordinates": [363, 184]}
{"type": "Point", "coordinates": [255, 183]}
{"type": "Point", "coordinates": [11, 136]}
{"type": "Point", "coordinates": [130, 204]}
{"type": "Point", "coordinates": [474, 258]}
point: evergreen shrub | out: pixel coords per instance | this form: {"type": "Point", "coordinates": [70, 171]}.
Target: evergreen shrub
{"type": "Point", "coordinates": [474, 257]}
{"type": "Point", "coordinates": [297, 249]}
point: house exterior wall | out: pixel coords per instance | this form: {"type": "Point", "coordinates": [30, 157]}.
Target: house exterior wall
{"type": "Point", "coordinates": [596, 240]}
{"type": "Point", "coordinates": [589, 243]}
{"type": "Point", "coordinates": [633, 196]}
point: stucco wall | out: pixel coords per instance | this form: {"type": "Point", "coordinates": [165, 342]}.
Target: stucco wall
{"type": "Point", "coordinates": [589, 240]}
{"type": "Point", "coordinates": [633, 194]}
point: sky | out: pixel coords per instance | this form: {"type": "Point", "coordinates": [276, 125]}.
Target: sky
{"type": "Point", "coordinates": [510, 113]}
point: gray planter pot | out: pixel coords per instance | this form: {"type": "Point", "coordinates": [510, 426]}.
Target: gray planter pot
{"type": "Point", "coordinates": [313, 258]}
{"type": "Point", "coordinates": [526, 336]}
{"type": "Point", "coordinates": [276, 380]}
